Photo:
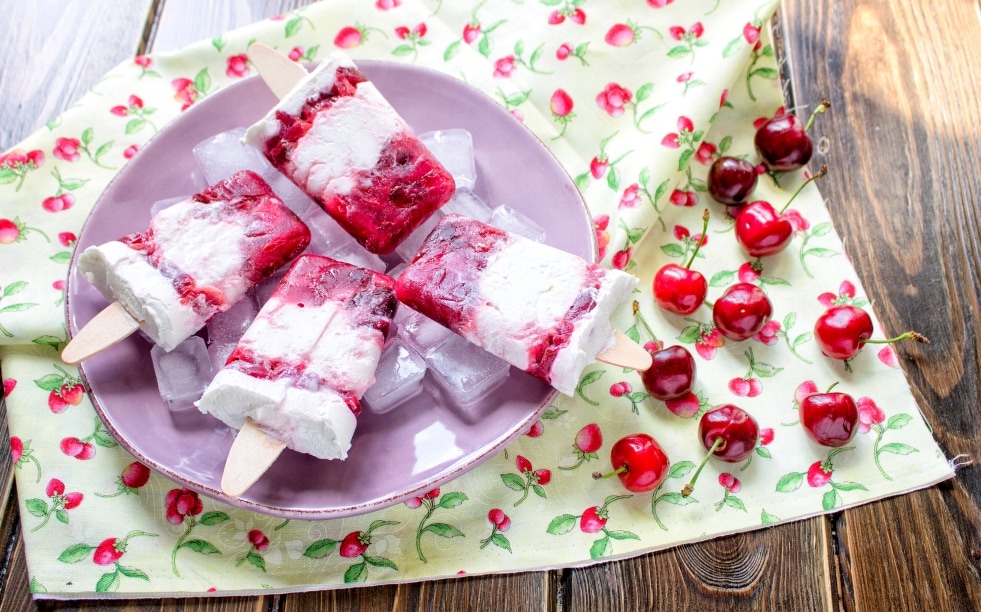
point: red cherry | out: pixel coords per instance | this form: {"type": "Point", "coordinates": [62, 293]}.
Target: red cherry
{"type": "Point", "coordinates": [783, 143]}
{"type": "Point", "coordinates": [830, 419]}
{"type": "Point", "coordinates": [731, 180]}
{"type": "Point", "coordinates": [620, 35]}
{"type": "Point", "coordinates": [761, 230]}
{"type": "Point", "coordinates": [639, 462]}
{"type": "Point", "coordinates": [348, 37]}
{"type": "Point", "coordinates": [817, 476]}
{"type": "Point", "coordinates": [597, 167]}
{"type": "Point", "coordinates": [470, 32]}
{"type": "Point", "coordinates": [671, 375]}
{"type": "Point", "coordinates": [591, 521]}
{"type": "Point", "coordinates": [841, 331]}
{"type": "Point", "coordinates": [106, 552]}
{"type": "Point", "coordinates": [737, 429]}
{"type": "Point", "coordinates": [742, 311]}
{"type": "Point", "coordinates": [16, 449]}
{"type": "Point", "coordinates": [679, 289]}
{"type": "Point", "coordinates": [352, 546]}
{"type": "Point", "coordinates": [728, 433]}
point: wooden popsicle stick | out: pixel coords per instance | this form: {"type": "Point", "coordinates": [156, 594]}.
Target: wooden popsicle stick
{"type": "Point", "coordinates": [105, 329]}
{"type": "Point", "coordinates": [251, 454]}
{"type": "Point", "coordinates": [253, 450]}
{"type": "Point", "coordinates": [279, 72]}
{"type": "Point", "coordinates": [626, 353]}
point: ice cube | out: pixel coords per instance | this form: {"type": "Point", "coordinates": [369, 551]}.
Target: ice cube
{"type": "Point", "coordinates": [454, 149]}
{"type": "Point", "coordinates": [229, 326]}
{"type": "Point", "coordinates": [224, 154]}
{"type": "Point", "coordinates": [398, 377]}
{"type": "Point", "coordinates": [418, 330]}
{"type": "Point", "coordinates": [265, 288]}
{"type": "Point", "coordinates": [466, 372]}
{"type": "Point", "coordinates": [508, 219]}
{"type": "Point", "coordinates": [408, 248]}
{"type": "Point", "coordinates": [354, 253]}
{"type": "Point", "coordinates": [219, 352]}
{"type": "Point", "coordinates": [325, 234]}
{"type": "Point", "coordinates": [183, 373]}
{"type": "Point", "coordinates": [166, 203]}
{"type": "Point", "coordinates": [294, 197]}
{"type": "Point", "coordinates": [467, 204]}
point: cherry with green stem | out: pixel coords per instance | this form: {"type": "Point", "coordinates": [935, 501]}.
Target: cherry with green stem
{"type": "Point", "coordinates": [678, 288]}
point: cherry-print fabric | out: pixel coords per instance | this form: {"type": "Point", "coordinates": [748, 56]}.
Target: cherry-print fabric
{"type": "Point", "coordinates": [636, 99]}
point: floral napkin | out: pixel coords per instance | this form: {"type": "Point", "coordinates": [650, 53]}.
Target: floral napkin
{"type": "Point", "coordinates": [636, 99]}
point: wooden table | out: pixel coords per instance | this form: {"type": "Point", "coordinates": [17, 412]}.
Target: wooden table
{"type": "Point", "coordinates": [905, 152]}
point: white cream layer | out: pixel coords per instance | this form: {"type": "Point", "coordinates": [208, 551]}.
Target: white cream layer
{"type": "Point", "coordinates": [527, 287]}
{"type": "Point", "coordinates": [125, 276]}
{"type": "Point", "coordinates": [313, 416]}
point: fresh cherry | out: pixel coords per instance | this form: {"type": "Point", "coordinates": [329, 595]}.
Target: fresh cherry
{"type": "Point", "coordinates": [671, 375]}
{"type": "Point", "coordinates": [782, 142]}
{"type": "Point", "coordinates": [742, 311]}
{"type": "Point", "coordinates": [829, 418]}
{"type": "Point", "coordinates": [639, 462]}
{"type": "Point", "coordinates": [729, 433]}
{"type": "Point", "coordinates": [841, 332]}
{"type": "Point", "coordinates": [679, 289]}
{"type": "Point", "coordinates": [761, 230]}
{"type": "Point", "coordinates": [731, 180]}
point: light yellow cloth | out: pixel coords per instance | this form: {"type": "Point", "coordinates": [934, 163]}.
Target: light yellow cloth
{"type": "Point", "coordinates": [634, 98]}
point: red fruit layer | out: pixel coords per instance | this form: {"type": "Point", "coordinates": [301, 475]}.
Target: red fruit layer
{"type": "Point", "coordinates": [312, 280]}
{"type": "Point", "coordinates": [404, 188]}
{"type": "Point", "coordinates": [275, 237]}
{"type": "Point", "coordinates": [442, 283]}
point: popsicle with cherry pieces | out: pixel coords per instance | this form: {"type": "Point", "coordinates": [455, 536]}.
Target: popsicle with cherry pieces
{"type": "Point", "coordinates": [299, 371]}
{"type": "Point", "coordinates": [342, 142]}
{"type": "Point", "coordinates": [196, 259]}
{"type": "Point", "coordinates": [541, 309]}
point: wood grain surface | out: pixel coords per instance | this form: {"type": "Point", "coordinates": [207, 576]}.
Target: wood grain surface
{"type": "Point", "coordinates": [903, 145]}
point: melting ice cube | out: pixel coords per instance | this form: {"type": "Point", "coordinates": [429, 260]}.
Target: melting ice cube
{"type": "Point", "coordinates": [183, 373]}
{"type": "Point", "coordinates": [224, 154]}
{"type": "Point", "coordinates": [454, 149]}
{"type": "Point", "coordinates": [398, 377]}
{"type": "Point", "coordinates": [508, 219]}
{"type": "Point", "coordinates": [465, 371]}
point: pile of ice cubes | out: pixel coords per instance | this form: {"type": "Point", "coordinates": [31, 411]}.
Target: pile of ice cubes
{"type": "Point", "coordinates": [420, 357]}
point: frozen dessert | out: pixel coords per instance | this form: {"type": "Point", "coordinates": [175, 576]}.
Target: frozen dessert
{"type": "Point", "coordinates": [340, 140]}
{"type": "Point", "coordinates": [541, 309]}
{"type": "Point", "coordinates": [301, 367]}
{"type": "Point", "coordinates": [198, 257]}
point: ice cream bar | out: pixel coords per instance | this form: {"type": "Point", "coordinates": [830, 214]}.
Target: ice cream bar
{"type": "Point", "coordinates": [541, 309]}
{"type": "Point", "coordinates": [197, 257]}
{"type": "Point", "coordinates": [301, 367]}
{"type": "Point", "coordinates": [339, 140]}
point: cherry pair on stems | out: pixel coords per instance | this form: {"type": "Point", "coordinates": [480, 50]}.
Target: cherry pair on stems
{"type": "Point", "coordinates": [783, 145]}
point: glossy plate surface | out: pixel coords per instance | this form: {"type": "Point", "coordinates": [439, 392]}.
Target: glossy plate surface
{"type": "Point", "coordinates": [394, 456]}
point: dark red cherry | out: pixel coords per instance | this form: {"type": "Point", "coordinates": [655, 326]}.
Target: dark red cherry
{"type": "Point", "coordinates": [671, 375]}
{"type": "Point", "coordinates": [742, 311]}
{"type": "Point", "coordinates": [829, 418]}
{"type": "Point", "coordinates": [731, 180]}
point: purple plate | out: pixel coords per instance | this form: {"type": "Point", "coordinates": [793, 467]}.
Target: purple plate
{"type": "Point", "coordinates": [394, 456]}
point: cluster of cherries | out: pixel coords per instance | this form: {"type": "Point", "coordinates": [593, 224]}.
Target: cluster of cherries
{"type": "Point", "coordinates": [728, 432]}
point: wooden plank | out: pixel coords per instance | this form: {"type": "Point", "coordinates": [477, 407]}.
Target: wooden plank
{"type": "Point", "coordinates": [787, 567]}
{"type": "Point", "coordinates": [48, 66]}
{"type": "Point", "coordinates": [903, 149]}
{"type": "Point", "coordinates": [187, 21]}
{"type": "Point", "coordinates": [527, 592]}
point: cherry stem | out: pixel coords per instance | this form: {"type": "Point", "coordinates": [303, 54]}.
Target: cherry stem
{"type": "Point", "coordinates": [820, 173]}
{"type": "Point", "coordinates": [640, 317]}
{"type": "Point", "coordinates": [825, 105]}
{"type": "Point", "coordinates": [719, 444]}
{"type": "Point", "coordinates": [910, 335]}
{"type": "Point", "coordinates": [833, 385]}
{"type": "Point", "coordinates": [701, 238]}
{"type": "Point", "coordinates": [620, 470]}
